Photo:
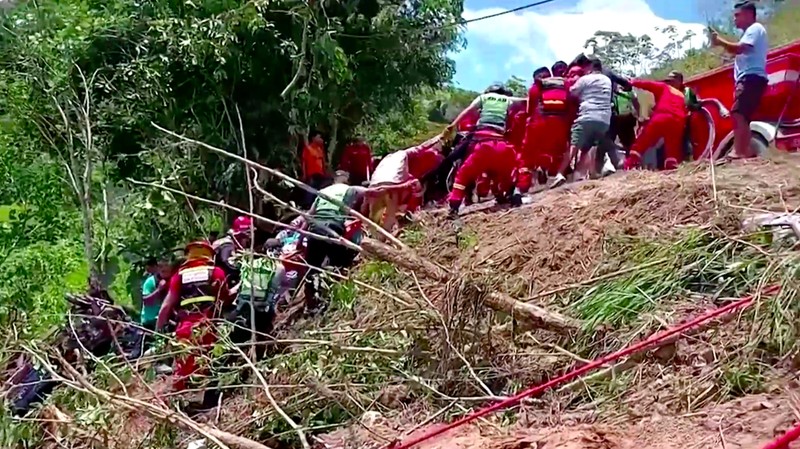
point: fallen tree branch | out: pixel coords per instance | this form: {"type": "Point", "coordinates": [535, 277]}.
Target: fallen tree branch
{"type": "Point", "coordinates": [501, 302]}
{"type": "Point", "coordinates": [293, 181]}
{"type": "Point", "coordinates": [297, 428]}
{"type": "Point", "coordinates": [221, 438]}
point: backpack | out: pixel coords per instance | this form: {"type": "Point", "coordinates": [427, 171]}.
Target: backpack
{"type": "Point", "coordinates": [553, 96]}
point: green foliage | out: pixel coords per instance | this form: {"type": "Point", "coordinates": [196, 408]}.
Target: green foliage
{"type": "Point", "coordinates": [697, 262]}
{"type": "Point", "coordinates": [82, 81]}
{"type": "Point", "coordinates": [33, 281]}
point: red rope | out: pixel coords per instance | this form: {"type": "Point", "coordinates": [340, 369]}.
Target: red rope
{"type": "Point", "coordinates": [784, 441]}
{"type": "Point", "coordinates": [539, 389]}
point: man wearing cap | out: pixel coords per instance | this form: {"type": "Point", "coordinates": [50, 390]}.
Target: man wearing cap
{"type": "Point", "coordinates": [749, 72]}
{"type": "Point", "coordinates": [667, 121]}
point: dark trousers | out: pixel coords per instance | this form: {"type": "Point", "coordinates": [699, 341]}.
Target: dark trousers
{"type": "Point", "coordinates": [316, 252]}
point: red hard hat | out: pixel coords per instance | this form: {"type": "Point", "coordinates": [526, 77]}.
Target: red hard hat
{"type": "Point", "coordinates": [241, 224]}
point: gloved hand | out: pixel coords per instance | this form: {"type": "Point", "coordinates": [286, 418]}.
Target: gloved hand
{"type": "Point", "coordinates": [630, 163]}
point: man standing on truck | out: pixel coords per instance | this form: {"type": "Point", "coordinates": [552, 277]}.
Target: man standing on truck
{"type": "Point", "coordinates": [749, 72]}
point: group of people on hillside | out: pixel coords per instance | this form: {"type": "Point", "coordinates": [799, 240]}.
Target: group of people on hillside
{"type": "Point", "coordinates": [505, 143]}
{"type": "Point", "coordinates": [242, 277]}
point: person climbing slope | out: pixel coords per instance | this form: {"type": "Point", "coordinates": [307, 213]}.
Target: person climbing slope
{"type": "Point", "coordinates": [236, 239]}
{"type": "Point", "coordinates": [491, 154]}
{"type": "Point", "coordinates": [396, 183]}
{"type": "Point", "coordinates": [196, 295]}
{"type": "Point", "coordinates": [550, 115]}
{"type": "Point", "coordinates": [593, 91]}
{"type": "Point", "coordinates": [667, 121]}
{"type": "Point", "coordinates": [330, 217]}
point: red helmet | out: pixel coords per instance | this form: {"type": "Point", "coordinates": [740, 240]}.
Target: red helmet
{"type": "Point", "coordinates": [199, 249]}
{"type": "Point", "coordinates": [241, 224]}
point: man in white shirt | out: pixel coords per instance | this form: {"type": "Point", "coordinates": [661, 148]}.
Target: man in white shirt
{"type": "Point", "coordinates": [749, 71]}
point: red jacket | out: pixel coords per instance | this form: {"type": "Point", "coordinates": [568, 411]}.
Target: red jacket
{"type": "Point", "coordinates": [422, 161]}
{"type": "Point", "coordinates": [356, 159]}
{"type": "Point", "coordinates": [515, 124]}
{"type": "Point", "coordinates": [669, 100]}
{"type": "Point", "coordinates": [469, 121]}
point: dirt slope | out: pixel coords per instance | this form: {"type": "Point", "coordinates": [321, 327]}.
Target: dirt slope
{"type": "Point", "coordinates": [559, 237]}
{"type": "Point", "coordinates": [746, 423]}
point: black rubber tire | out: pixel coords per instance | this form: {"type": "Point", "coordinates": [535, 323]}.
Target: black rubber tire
{"type": "Point", "coordinates": [759, 144]}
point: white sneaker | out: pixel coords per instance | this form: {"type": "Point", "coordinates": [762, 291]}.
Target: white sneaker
{"type": "Point", "coordinates": [558, 180]}
{"type": "Point", "coordinates": [608, 167]}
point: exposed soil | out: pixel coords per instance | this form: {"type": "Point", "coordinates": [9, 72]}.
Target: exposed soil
{"type": "Point", "coordinates": [746, 423]}
{"type": "Point", "coordinates": [559, 237]}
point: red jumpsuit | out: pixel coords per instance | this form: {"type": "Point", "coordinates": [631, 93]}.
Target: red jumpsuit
{"type": "Point", "coordinates": [546, 137]}
{"type": "Point", "coordinates": [515, 133]}
{"type": "Point", "coordinates": [421, 161]}
{"type": "Point", "coordinates": [492, 155]}
{"type": "Point", "coordinates": [667, 121]}
{"type": "Point", "coordinates": [199, 285]}
{"type": "Point", "coordinates": [357, 160]}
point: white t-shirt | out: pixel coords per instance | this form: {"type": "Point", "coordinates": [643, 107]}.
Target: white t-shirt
{"type": "Point", "coordinates": [594, 92]}
{"type": "Point", "coordinates": [753, 61]}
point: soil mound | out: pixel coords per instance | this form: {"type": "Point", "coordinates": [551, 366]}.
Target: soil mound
{"type": "Point", "coordinates": [559, 237]}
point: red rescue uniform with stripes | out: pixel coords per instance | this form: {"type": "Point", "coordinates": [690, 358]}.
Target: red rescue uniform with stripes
{"type": "Point", "coordinates": [492, 155]}
{"type": "Point", "coordinates": [549, 119]}
{"type": "Point", "coordinates": [667, 121]}
{"type": "Point", "coordinates": [200, 287]}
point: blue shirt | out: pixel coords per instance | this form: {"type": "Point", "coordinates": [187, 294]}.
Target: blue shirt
{"type": "Point", "coordinates": [753, 61]}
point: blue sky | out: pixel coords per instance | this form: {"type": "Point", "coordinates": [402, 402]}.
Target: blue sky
{"type": "Point", "coordinates": [516, 44]}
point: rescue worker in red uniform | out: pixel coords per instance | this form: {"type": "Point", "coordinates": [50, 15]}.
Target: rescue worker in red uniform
{"type": "Point", "coordinates": [491, 154]}
{"type": "Point", "coordinates": [357, 161]}
{"type": "Point", "coordinates": [550, 116]}
{"type": "Point", "coordinates": [196, 295]}
{"type": "Point", "coordinates": [667, 121]}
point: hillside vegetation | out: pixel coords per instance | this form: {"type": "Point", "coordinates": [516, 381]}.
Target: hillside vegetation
{"type": "Point", "coordinates": [469, 313]}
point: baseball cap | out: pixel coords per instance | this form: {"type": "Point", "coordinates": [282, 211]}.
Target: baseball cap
{"type": "Point", "coordinates": [674, 76]}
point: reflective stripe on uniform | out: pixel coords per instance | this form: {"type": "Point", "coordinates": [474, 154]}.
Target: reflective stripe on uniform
{"type": "Point", "coordinates": [196, 300]}
{"type": "Point", "coordinates": [458, 187]}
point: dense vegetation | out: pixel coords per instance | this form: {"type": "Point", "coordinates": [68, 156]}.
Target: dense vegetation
{"type": "Point", "coordinates": [83, 81]}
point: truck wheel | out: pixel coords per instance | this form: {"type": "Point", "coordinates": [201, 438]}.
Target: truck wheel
{"type": "Point", "coordinates": [759, 144]}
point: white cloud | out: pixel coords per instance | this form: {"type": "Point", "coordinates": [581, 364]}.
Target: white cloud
{"type": "Point", "coordinates": [542, 38]}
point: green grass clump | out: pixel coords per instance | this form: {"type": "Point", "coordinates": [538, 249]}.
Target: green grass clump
{"type": "Point", "coordinates": [699, 261]}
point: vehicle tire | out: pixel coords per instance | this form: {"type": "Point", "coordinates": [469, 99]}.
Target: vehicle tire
{"type": "Point", "coordinates": [759, 144]}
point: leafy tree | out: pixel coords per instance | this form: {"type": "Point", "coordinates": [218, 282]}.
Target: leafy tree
{"type": "Point", "coordinates": [518, 86]}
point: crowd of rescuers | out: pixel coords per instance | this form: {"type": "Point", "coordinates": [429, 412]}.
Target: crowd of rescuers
{"type": "Point", "coordinates": [579, 112]}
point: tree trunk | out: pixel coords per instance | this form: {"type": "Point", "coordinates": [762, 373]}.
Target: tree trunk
{"type": "Point", "coordinates": [532, 315]}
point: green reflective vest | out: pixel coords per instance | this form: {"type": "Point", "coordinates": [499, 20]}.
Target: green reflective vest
{"type": "Point", "coordinates": [690, 99]}
{"type": "Point", "coordinates": [325, 209]}
{"type": "Point", "coordinates": [256, 275]}
{"type": "Point", "coordinates": [494, 108]}
{"type": "Point", "coordinates": [623, 102]}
